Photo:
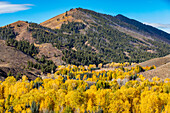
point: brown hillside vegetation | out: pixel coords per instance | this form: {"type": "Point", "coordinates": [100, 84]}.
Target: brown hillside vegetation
{"type": "Point", "coordinates": [52, 53]}
{"type": "Point", "coordinates": [14, 61]}
{"type": "Point", "coordinates": [23, 34]}
{"type": "Point", "coordinates": [156, 61]}
{"type": "Point", "coordinates": [21, 28]}
{"type": "Point", "coordinates": [57, 21]}
{"type": "Point", "coordinates": [162, 70]}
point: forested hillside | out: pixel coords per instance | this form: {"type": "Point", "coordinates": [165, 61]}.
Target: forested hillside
{"type": "Point", "coordinates": [87, 37]}
{"type": "Point", "coordinates": [83, 37]}
{"type": "Point", "coordinates": [105, 36]}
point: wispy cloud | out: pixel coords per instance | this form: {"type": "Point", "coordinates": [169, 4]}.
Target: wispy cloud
{"type": "Point", "coordinates": [164, 27]}
{"type": "Point", "coordinates": [6, 7]}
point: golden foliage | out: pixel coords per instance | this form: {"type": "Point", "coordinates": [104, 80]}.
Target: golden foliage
{"type": "Point", "coordinates": [77, 89]}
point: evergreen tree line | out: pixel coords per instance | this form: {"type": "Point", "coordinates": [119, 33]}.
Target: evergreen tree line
{"type": "Point", "coordinates": [31, 50]}
{"type": "Point", "coordinates": [74, 27]}
{"type": "Point", "coordinates": [23, 46]}
{"type": "Point", "coordinates": [7, 33]}
{"type": "Point", "coordinates": [46, 66]}
{"type": "Point", "coordinates": [80, 57]}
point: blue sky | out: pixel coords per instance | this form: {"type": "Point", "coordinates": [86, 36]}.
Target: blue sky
{"type": "Point", "coordinates": [152, 12]}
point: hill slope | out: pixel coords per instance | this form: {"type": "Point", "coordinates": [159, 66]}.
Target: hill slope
{"type": "Point", "coordinates": [14, 61]}
{"type": "Point", "coordinates": [119, 22]}
{"type": "Point", "coordinates": [57, 21]}
{"type": "Point", "coordinates": [162, 70]}
{"type": "Point", "coordinates": [84, 37]}
{"type": "Point", "coordinates": [156, 61]}
{"type": "Point", "coordinates": [112, 38]}
{"type": "Point", "coordinates": [79, 37]}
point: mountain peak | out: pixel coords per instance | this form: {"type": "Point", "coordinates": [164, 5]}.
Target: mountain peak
{"type": "Point", "coordinates": [120, 15]}
{"type": "Point", "coordinates": [19, 22]}
{"type": "Point", "coordinates": [57, 21]}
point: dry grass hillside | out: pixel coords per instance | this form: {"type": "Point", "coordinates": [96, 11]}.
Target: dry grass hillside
{"type": "Point", "coordinates": [74, 15]}
{"type": "Point", "coordinates": [57, 21]}
{"type": "Point", "coordinates": [162, 70]}
{"type": "Point", "coordinates": [21, 28]}
{"type": "Point", "coordinates": [14, 61]}
{"type": "Point", "coordinates": [156, 61]}
{"type": "Point", "coordinates": [52, 53]}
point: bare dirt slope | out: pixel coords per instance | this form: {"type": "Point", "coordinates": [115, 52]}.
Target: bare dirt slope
{"type": "Point", "coordinates": [14, 61]}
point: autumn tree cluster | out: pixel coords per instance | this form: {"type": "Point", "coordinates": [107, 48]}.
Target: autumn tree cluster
{"type": "Point", "coordinates": [67, 91]}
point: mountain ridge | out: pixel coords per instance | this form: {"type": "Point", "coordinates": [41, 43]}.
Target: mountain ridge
{"type": "Point", "coordinates": [89, 19]}
{"type": "Point", "coordinates": [82, 37]}
{"type": "Point", "coordinates": [119, 17]}
{"type": "Point", "coordinates": [71, 11]}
